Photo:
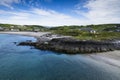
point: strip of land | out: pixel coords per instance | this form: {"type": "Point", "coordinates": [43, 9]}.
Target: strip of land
{"type": "Point", "coordinates": [32, 34]}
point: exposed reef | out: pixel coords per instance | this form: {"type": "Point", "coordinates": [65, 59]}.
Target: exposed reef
{"type": "Point", "coordinates": [69, 45]}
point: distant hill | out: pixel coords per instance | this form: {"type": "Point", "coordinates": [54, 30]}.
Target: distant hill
{"type": "Point", "coordinates": [24, 27]}
{"type": "Point", "coordinates": [88, 32]}
{"type": "Point", "coordinates": [100, 27]}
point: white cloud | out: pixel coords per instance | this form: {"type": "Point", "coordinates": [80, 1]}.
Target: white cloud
{"type": "Point", "coordinates": [99, 12]}
{"type": "Point", "coordinates": [39, 17]}
{"type": "Point", "coordinates": [42, 12]}
{"type": "Point", "coordinates": [8, 3]}
{"type": "Point", "coordinates": [102, 11]}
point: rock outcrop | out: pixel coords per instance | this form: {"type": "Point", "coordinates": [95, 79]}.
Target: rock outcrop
{"type": "Point", "coordinates": [73, 46]}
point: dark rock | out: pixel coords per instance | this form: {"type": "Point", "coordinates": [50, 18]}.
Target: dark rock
{"type": "Point", "coordinates": [28, 43]}
{"type": "Point", "coordinates": [15, 42]}
{"type": "Point", "coordinates": [73, 46]}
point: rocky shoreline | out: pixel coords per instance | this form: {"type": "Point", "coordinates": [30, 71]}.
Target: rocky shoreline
{"type": "Point", "coordinates": [70, 45]}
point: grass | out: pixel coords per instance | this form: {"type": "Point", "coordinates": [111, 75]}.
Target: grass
{"type": "Point", "coordinates": [82, 35]}
{"type": "Point", "coordinates": [99, 36]}
{"type": "Point", "coordinates": [102, 30]}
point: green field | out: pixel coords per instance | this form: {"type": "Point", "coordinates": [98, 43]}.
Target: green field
{"type": "Point", "coordinates": [102, 31]}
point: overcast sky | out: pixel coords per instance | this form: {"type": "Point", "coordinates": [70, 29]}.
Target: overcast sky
{"type": "Point", "coordinates": [59, 12]}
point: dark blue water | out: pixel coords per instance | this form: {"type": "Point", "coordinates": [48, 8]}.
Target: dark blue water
{"type": "Point", "coordinates": [24, 63]}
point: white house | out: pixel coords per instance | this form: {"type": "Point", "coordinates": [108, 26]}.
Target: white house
{"type": "Point", "coordinates": [16, 30]}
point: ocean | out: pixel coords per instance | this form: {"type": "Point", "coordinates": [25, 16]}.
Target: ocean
{"type": "Point", "coordinates": [27, 63]}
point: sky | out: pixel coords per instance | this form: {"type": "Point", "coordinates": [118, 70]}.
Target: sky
{"type": "Point", "coordinates": [59, 12]}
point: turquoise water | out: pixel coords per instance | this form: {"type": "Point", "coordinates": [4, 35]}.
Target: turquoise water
{"type": "Point", "coordinates": [24, 63]}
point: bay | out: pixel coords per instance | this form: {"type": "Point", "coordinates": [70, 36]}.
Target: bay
{"type": "Point", "coordinates": [27, 63]}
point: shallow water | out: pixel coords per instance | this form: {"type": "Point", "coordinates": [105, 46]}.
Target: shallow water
{"type": "Point", "coordinates": [24, 63]}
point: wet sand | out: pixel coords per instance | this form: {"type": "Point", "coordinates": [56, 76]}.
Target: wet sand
{"type": "Point", "coordinates": [111, 58]}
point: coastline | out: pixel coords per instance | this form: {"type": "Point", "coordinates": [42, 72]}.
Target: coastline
{"type": "Point", "coordinates": [110, 57]}
{"type": "Point", "coordinates": [67, 44]}
{"type": "Point", "coordinates": [31, 34]}
{"type": "Point", "coordinates": [72, 46]}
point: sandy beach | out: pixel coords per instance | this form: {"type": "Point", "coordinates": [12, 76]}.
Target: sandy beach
{"type": "Point", "coordinates": [110, 58]}
{"type": "Point", "coordinates": [32, 34]}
